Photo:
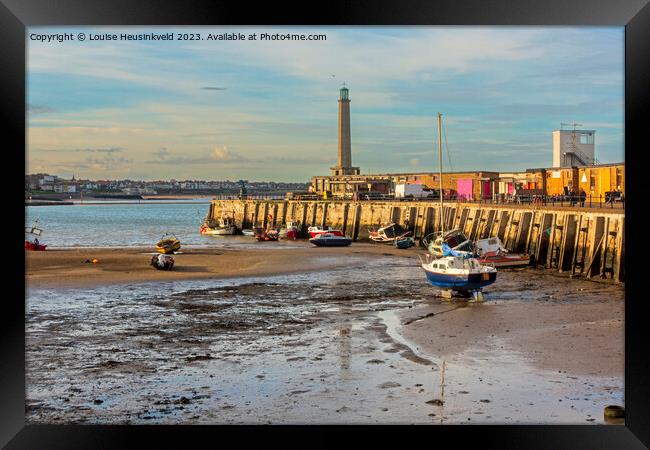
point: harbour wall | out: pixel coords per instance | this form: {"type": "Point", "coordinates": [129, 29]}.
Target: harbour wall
{"type": "Point", "coordinates": [583, 242]}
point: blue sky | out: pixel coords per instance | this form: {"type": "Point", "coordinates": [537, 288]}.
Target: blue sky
{"type": "Point", "coordinates": [137, 109]}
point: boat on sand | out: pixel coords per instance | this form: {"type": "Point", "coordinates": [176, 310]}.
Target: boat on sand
{"type": "Point", "coordinates": [330, 240]}
{"type": "Point", "coordinates": [168, 244]}
{"type": "Point", "coordinates": [32, 238]}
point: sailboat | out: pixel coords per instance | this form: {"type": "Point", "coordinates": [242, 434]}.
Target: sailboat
{"type": "Point", "coordinates": [455, 270]}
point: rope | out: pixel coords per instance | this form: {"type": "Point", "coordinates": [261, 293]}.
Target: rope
{"type": "Point", "coordinates": [444, 130]}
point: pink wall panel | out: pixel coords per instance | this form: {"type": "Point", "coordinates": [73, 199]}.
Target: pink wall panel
{"type": "Point", "coordinates": [464, 189]}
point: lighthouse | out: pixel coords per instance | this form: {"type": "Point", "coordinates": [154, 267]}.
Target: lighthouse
{"type": "Point", "coordinates": [344, 166]}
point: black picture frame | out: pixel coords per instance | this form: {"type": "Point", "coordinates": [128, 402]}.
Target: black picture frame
{"type": "Point", "coordinates": [15, 15]}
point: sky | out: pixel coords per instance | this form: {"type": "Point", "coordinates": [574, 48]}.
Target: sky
{"type": "Point", "coordinates": [267, 110]}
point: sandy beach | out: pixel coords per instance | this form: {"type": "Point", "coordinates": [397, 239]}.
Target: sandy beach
{"type": "Point", "coordinates": [316, 335]}
{"type": "Point", "coordinates": [67, 268]}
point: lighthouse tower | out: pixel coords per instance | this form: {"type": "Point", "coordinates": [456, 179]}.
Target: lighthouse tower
{"type": "Point", "coordinates": [344, 166]}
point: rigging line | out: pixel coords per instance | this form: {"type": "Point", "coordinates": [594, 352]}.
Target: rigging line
{"type": "Point", "coordinates": [444, 130]}
{"type": "Point", "coordinates": [435, 147]}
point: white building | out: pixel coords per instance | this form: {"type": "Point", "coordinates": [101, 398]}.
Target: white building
{"type": "Point", "coordinates": [574, 148]}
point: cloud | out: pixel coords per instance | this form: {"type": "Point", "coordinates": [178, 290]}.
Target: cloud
{"type": "Point", "coordinates": [219, 155]}
{"type": "Point", "coordinates": [99, 150]}
{"type": "Point", "coordinates": [108, 162]}
{"type": "Point", "coordinates": [225, 155]}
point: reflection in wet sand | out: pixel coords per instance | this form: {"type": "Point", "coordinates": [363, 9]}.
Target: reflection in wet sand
{"type": "Point", "coordinates": [322, 347]}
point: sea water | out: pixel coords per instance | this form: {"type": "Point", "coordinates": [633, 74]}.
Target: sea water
{"type": "Point", "coordinates": [130, 224]}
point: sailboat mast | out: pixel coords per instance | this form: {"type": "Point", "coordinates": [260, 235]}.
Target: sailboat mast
{"type": "Point", "coordinates": [442, 223]}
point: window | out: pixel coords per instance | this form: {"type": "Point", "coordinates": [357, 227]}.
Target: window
{"type": "Point", "coordinates": [587, 138]}
{"type": "Point", "coordinates": [592, 179]}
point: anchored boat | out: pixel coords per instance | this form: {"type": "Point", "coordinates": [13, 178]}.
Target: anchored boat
{"type": "Point", "coordinates": [330, 240]}
{"type": "Point", "coordinates": [32, 238]}
{"type": "Point", "coordinates": [388, 233]}
{"type": "Point", "coordinates": [266, 235]}
{"type": "Point", "coordinates": [459, 273]}
{"type": "Point", "coordinates": [404, 242]}
{"type": "Point", "coordinates": [451, 264]}
{"type": "Point", "coordinates": [224, 226]}
{"type": "Point", "coordinates": [289, 230]}
{"type": "Point", "coordinates": [316, 230]}
{"type": "Point", "coordinates": [168, 244]}
{"type": "Point", "coordinates": [455, 239]}
{"type": "Point", "coordinates": [491, 252]}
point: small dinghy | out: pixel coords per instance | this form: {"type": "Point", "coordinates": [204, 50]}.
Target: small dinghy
{"type": "Point", "coordinates": [248, 232]}
{"type": "Point", "coordinates": [32, 235]}
{"type": "Point", "coordinates": [168, 244]}
{"type": "Point", "coordinates": [330, 240]}
{"type": "Point", "coordinates": [404, 242]}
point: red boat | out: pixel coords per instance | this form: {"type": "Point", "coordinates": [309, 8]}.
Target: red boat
{"type": "Point", "coordinates": [315, 231]}
{"type": "Point", "coordinates": [34, 246]}
{"type": "Point", "coordinates": [491, 252]}
{"type": "Point", "coordinates": [31, 238]}
{"type": "Point", "coordinates": [504, 260]}
{"type": "Point", "coordinates": [289, 231]}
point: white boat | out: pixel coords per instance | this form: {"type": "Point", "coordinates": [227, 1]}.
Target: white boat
{"type": "Point", "coordinates": [224, 226]}
{"type": "Point", "coordinates": [455, 239]}
{"type": "Point", "coordinates": [491, 252]}
{"type": "Point", "coordinates": [388, 233]}
{"type": "Point", "coordinates": [248, 232]}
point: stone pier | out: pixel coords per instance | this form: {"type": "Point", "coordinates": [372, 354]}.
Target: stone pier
{"type": "Point", "coordinates": [582, 241]}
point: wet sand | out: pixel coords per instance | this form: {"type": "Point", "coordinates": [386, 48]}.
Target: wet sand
{"type": "Point", "coordinates": [312, 335]}
{"type": "Point", "coordinates": [66, 268]}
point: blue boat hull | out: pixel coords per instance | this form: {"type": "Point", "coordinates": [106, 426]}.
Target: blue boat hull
{"type": "Point", "coordinates": [461, 282]}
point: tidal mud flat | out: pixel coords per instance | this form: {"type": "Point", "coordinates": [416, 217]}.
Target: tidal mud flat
{"type": "Point", "coordinates": [370, 344]}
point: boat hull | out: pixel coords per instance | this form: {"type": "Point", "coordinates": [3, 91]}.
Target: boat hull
{"type": "Point", "coordinates": [35, 247]}
{"type": "Point", "coordinates": [168, 248]}
{"type": "Point", "coordinates": [218, 231]}
{"type": "Point", "coordinates": [404, 243]}
{"type": "Point", "coordinates": [331, 242]}
{"type": "Point", "coordinates": [505, 261]}
{"type": "Point", "coordinates": [472, 281]}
